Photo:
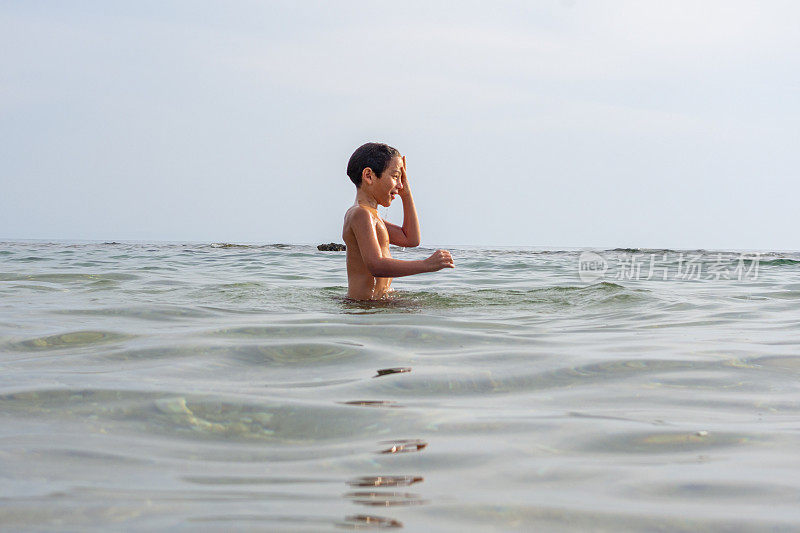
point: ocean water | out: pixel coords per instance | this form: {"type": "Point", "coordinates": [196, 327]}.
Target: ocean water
{"type": "Point", "coordinates": [219, 387]}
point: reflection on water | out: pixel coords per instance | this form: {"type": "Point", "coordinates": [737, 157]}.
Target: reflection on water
{"type": "Point", "coordinates": [374, 522]}
{"type": "Point", "coordinates": [373, 403]}
{"type": "Point", "coordinates": [233, 387]}
{"type": "Point", "coordinates": [404, 446]}
{"type": "Point", "coordinates": [387, 371]}
{"type": "Point", "coordinates": [384, 499]}
{"type": "Point", "coordinates": [385, 481]}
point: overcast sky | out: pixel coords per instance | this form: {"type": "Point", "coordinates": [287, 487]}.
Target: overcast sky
{"type": "Point", "coordinates": [559, 124]}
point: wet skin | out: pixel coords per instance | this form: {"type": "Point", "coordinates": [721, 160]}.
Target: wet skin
{"type": "Point", "coordinates": [370, 266]}
{"type": "Point", "coordinates": [361, 284]}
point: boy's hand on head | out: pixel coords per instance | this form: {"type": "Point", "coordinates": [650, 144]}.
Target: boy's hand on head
{"type": "Point", "coordinates": [440, 259]}
{"type": "Point", "coordinates": [405, 191]}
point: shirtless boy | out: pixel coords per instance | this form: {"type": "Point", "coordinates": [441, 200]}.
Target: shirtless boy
{"type": "Point", "coordinates": [379, 173]}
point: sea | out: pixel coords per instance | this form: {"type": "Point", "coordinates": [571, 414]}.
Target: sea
{"type": "Point", "coordinates": [227, 387]}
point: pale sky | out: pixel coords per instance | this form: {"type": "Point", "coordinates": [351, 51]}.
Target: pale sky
{"type": "Point", "coordinates": [558, 124]}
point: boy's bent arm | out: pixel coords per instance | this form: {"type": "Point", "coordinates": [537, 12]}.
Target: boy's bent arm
{"type": "Point", "coordinates": [401, 236]}
{"type": "Point", "coordinates": [379, 266]}
{"type": "Point", "coordinates": [409, 234]}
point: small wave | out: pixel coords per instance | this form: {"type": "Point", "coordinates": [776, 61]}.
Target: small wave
{"type": "Point", "coordinates": [347, 339]}
{"type": "Point", "coordinates": [454, 382]}
{"type": "Point", "coordinates": [779, 262]}
{"type": "Point", "coordinates": [602, 286]}
{"type": "Point", "coordinates": [68, 277]}
{"type": "Point", "coordinates": [229, 245]}
{"type": "Point", "coordinates": [279, 246]}
{"type": "Point", "coordinates": [656, 251]}
{"type": "Point", "coordinates": [663, 442]}
{"type": "Point", "coordinates": [560, 296]}
{"type": "Point", "coordinates": [155, 313]}
{"type": "Point", "coordinates": [783, 295]}
{"type": "Point", "coordinates": [193, 417]}
{"type": "Point", "coordinates": [72, 339]}
{"type": "Point", "coordinates": [237, 285]}
{"type": "Point", "coordinates": [295, 354]}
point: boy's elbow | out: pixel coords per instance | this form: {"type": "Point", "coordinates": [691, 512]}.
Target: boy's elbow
{"type": "Point", "coordinates": [412, 241]}
{"type": "Point", "coordinates": [376, 268]}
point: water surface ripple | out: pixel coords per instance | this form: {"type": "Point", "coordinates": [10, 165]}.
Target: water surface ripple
{"type": "Point", "coordinates": [218, 387]}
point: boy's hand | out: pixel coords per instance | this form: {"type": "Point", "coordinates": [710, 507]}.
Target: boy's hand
{"type": "Point", "coordinates": [406, 190]}
{"type": "Point", "coordinates": [439, 259]}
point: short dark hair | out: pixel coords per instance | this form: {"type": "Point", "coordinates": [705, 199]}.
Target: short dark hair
{"type": "Point", "coordinates": [371, 155]}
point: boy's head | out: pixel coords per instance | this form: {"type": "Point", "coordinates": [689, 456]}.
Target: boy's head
{"type": "Point", "coordinates": [373, 156]}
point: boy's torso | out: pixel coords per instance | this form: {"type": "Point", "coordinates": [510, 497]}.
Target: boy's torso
{"type": "Point", "coordinates": [362, 285]}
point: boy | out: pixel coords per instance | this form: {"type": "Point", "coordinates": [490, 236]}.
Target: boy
{"type": "Point", "coordinates": [379, 173]}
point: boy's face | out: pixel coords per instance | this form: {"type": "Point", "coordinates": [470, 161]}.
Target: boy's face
{"type": "Point", "coordinates": [388, 185]}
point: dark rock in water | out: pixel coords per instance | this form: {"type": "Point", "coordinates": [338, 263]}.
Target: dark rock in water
{"type": "Point", "coordinates": [332, 247]}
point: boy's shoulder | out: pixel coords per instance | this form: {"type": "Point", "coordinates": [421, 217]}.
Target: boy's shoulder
{"type": "Point", "coordinates": [359, 213]}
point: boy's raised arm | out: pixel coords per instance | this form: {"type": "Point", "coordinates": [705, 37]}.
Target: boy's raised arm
{"type": "Point", "coordinates": [398, 236]}
{"type": "Point", "coordinates": [409, 234]}
{"type": "Point", "coordinates": [387, 267]}
{"type": "Point", "coordinates": [410, 229]}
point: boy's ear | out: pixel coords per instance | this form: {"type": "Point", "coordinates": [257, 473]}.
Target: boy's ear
{"type": "Point", "coordinates": [367, 174]}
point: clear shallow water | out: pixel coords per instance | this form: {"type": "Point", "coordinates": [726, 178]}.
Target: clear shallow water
{"type": "Point", "coordinates": [221, 387]}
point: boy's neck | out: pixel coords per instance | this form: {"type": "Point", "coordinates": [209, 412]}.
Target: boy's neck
{"type": "Point", "coordinates": [365, 199]}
